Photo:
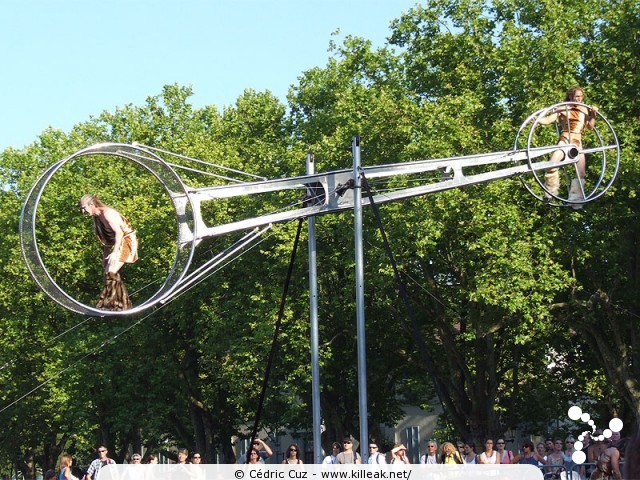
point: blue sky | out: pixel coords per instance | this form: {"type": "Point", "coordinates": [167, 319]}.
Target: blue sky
{"type": "Point", "coordinates": [65, 60]}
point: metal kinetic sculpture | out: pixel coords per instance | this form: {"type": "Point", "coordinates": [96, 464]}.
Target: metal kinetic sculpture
{"type": "Point", "coordinates": [326, 193]}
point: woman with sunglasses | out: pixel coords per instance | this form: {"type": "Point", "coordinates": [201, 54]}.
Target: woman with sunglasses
{"type": "Point", "coordinates": [568, 456]}
{"type": "Point", "coordinates": [293, 455]}
{"type": "Point", "coordinates": [505, 455]}
{"type": "Point", "coordinates": [528, 455]}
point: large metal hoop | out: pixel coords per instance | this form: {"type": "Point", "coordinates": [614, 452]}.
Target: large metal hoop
{"type": "Point", "coordinates": [607, 141]}
{"type": "Point", "coordinates": [185, 242]}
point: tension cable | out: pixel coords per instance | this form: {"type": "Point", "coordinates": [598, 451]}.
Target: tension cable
{"type": "Point", "coordinates": [417, 334]}
{"type": "Point", "coordinates": [274, 343]}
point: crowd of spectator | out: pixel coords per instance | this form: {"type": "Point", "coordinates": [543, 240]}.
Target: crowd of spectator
{"type": "Point", "coordinates": [555, 457]}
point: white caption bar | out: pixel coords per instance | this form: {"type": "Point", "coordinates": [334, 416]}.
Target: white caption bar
{"type": "Point", "coordinates": [320, 472]}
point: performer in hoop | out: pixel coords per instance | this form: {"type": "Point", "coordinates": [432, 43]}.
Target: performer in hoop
{"type": "Point", "coordinates": [573, 120]}
{"type": "Point", "coordinates": [120, 246]}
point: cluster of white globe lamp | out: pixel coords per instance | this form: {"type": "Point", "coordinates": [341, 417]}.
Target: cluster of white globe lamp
{"type": "Point", "coordinates": [576, 413]}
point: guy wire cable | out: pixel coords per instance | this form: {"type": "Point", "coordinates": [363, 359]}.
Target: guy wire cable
{"type": "Point", "coordinates": [418, 337]}
{"type": "Point", "coordinates": [114, 337]}
{"type": "Point", "coordinates": [276, 333]}
{"type": "Point", "coordinates": [179, 292]}
{"type": "Point", "coordinates": [77, 362]}
{"type": "Point", "coordinates": [200, 279]}
{"type": "Point", "coordinates": [417, 283]}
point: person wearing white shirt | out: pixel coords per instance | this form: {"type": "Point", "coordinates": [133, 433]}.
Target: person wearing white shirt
{"type": "Point", "coordinates": [336, 448]}
{"type": "Point", "coordinates": [431, 457]}
{"type": "Point", "coordinates": [375, 457]}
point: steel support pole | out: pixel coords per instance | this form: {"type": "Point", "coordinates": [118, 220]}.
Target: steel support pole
{"type": "Point", "coordinates": [313, 322]}
{"type": "Point", "coordinates": [361, 340]}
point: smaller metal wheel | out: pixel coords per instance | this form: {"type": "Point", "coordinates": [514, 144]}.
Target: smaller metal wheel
{"type": "Point", "coordinates": [596, 152]}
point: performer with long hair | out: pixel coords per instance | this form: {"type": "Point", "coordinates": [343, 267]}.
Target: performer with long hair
{"type": "Point", "coordinates": [120, 246]}
{"type": "Point", "coordinates": [573, 122]}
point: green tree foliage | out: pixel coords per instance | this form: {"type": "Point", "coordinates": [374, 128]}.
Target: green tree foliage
{"type": "Point", "coordinates": [472, 73]}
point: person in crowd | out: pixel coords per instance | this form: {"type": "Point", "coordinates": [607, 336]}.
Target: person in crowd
{"type": "Point", "coordinates": [102, 460]}
{"type": "Point", "coordinates": [254, 458]}
{"type": "Point", "coordinates": [183, 456]}
{"type": "Point", "coordinates": [431, 457]}
{"type": "Point", "coordinates": [542, 451]}
{"type": "Point", "coordinates": [66, 462]}
{"type": "Point", "coordinates": [608, 463]}
{"type": "Point", "coordinates": [569, 442]}
{"type": "Point", "coordinates": [348, 456]}
{"type": "Point", "coordinates": [569, 464]}
{"type": "Point", "coordinates": [555, 460]}
{"type": "Point", "coordinates": [264, 451]}
{"type": "Point", "coordinates": [375, 456]}
{"type": "Point", "coordinates": [292, 455]}
{"type": "Point", "coordinates": [470, 455]}
{"type": "Point", "coordinates": [528, 455]}
{"type": "Point", "coordinates": [120, 246]}
{"type": "Point", "coordinates": [548, 445]}
{"type": "Point", "coordinates": [505, 455]}
{"type": "Point", "coordinates": [489, 455]}
{"type": "Point", "coordinates": [399, 454]}
{"type": "Point", "coordinates": [573, 121]}
{"type": "Point", "coordinates": [336, 448]}
{"type": "Point", "coordinates": [151, 459]}
{"type": "Point", "coordinates": [460, 447]}
{"type": "Point", "coordinates": [196, 458]}
{"type": "Point", "coordinates": [449, 455]}
{"type": "Point", "coordinates": [136, 458]}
